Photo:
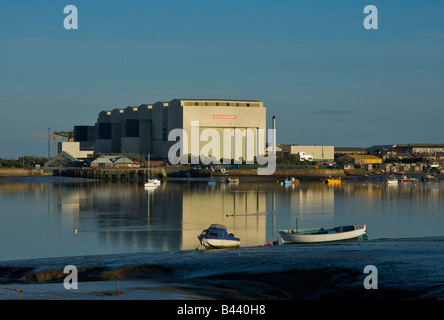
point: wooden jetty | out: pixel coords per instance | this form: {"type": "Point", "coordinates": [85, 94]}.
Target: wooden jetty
{"type": "Point", "coordinates": [110, 174]}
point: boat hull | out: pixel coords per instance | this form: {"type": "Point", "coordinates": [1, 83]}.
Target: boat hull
{"type": "Point", "coordinates": [315, 235]}
{"type": "Point", "coordinates": [332, 181]}
{"type": "Point", "coordinates": [220, 243]}
{"type": "Point", "coordinates": [152, 183]}
{"type": "Point", "coordinates": [217, 237]}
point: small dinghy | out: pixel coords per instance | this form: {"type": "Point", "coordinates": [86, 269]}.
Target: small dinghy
{"type": "Point", "coordinates": [322, 235]}
{"type": "Point", "coordinates": [292, 181]}
{"type": "Point", "coordinates": [217, 237]}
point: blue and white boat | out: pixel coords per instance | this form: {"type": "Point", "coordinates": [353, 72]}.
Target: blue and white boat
{"type": "Point", "coordinates": [217, 237]}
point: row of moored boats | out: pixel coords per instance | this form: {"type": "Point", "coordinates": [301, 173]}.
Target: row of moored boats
{"type": "Point", "coordinates": [217, 236]}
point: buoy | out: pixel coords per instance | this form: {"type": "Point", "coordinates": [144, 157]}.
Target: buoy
{"type": "Point", "coordinates": [75, 230]}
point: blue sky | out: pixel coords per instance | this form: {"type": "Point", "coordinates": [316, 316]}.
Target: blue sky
{"type": "Point", "coordinates": [326, 78]}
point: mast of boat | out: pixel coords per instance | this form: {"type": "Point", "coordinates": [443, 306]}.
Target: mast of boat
{"type": "Point", "coordinates": [148, 171]}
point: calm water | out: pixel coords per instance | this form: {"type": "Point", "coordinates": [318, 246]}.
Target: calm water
{"type": "Point", "coordinates": [38, 216]}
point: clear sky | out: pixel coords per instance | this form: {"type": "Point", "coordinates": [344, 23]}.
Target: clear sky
{"type": "Point", "coordinates": [327, 79]}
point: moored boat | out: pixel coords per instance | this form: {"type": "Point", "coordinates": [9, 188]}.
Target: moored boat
{"type": "Point", "coordinates": [217, 237]}
{"type": "Point", "coordinates": [152, 183]}
{"type": "Point", "coordinates": [405, 179]}
{"type": "Point", "coordinates": [233, 180]}
{"type": "Point", "coordinates": [291, 181]}
{"type": "Point", "coordinates": [340, 233]}
{"type": "Point", "coordinates": [332, 181]}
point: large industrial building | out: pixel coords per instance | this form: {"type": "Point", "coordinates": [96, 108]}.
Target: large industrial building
{"type": "Point", "coordinates": [144, 129]}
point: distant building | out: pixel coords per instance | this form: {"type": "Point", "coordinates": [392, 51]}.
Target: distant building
{"type": "Point", "coordinates": [112, 161]}
{"type": "Point", "coordinates": [342, 151]}
{"type": "Point", "coordinates": [144, 129]}
{"type": "Point", "coordinates": [102, 162]}
{"type": "Point", "coordinates": [124, 162]}
{"type": "Point", "coordinates": [62, 159]}
{"type": "Point", "coordinates": [319, 153]}
{"type": "Point", "coordinates": [73, 148]}
{"type": "Point", "coordinates": [411, 150]}
{"type": "Point", "coordinates": [360, 160]}
{"type": "Point", "coordinates": [423, 150]}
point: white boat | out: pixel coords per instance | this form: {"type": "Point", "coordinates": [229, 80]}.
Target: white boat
{"type": "Point", "coordinates": [217, 237]}
{"type": "Point", "coordinates": [151, 182]}
{"type": "Point", "coordinates": [322, 235]}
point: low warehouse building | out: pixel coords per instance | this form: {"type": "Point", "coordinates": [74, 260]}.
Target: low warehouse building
{"type": "Point", "coordinates": [319, 153]}
{"type": "Point", "coordinates": [361, 160]}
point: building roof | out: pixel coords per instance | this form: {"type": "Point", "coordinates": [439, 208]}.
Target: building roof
{"type": "Point", "coordinates": [350, 149]}
{"type": "Point", "coordinates": [380, 147]}
{"type": "Point", "coordinates": [182, 99]}
{"type": "Point", "coordinates": [436, 145]}
{"type": "Point", "coordinates": [363, 156]}
{"type": "Point", "coordinates": [61, 158]}
{"type": "Point", "coordinates": [122, 160]}
{"type": "Point", "coordinates": [112, 159]}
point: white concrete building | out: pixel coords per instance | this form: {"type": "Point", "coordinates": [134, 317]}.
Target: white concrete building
{"type": "Point", "coordinates": [73, 148]}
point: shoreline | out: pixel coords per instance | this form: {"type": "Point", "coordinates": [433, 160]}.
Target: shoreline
{"type": "Point", "coordinates": [246, 175]}
{"type": "Point", "coordinates": [407, 268]}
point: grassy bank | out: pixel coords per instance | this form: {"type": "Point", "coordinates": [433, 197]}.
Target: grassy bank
{"type": "Point", "coordinates": [19, 172]}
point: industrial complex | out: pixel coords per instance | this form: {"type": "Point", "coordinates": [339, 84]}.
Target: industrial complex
{"type": "Point", "coordinates": [225, 130]}
{"type": "Point", "coordinates": [145, 129]}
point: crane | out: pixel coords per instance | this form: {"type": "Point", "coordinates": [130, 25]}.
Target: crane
{"type": "Point", "coordinates": [55, 135]}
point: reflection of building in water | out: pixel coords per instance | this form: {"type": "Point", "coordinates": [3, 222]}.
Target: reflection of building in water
{"type": "Point", "coordinates": [124, 217]}
{"type": "Point", "coordinates": [245, 210]}
{"type": "Point", "coordinates": [317, 199]}
{"type": "Point", "coordinates": [169, 218]}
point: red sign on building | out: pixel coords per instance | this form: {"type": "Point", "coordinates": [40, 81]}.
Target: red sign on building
{"type": "Point", "coordinates": [224, 116]}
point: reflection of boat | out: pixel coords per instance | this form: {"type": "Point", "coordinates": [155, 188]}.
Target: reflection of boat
{"type": "Point", "coordinates": [217, 237]}
{"type": "Point", "coordinates": [392, 180]}
{"type": "Point", "coordinates": [332, 180]}
{"type": "Point", "coordinates": [322, 235]}
{"type": "Point", "coordinates": [291, 181]}
{"type": "Point", "coordinates": [189, 174]}
{"type": "Point", "coordinates": [233, 180]}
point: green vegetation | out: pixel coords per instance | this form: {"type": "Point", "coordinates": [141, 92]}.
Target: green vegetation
{"type": "Point", "coordinates": [23, 162]}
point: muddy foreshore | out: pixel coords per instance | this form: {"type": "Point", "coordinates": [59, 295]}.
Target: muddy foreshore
{"type": "Point", "coordinates": [405, 269]}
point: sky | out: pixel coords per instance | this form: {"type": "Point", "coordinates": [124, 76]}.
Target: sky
{"type": "Point", "coordinates": [327, 79]}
